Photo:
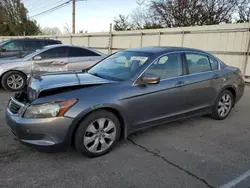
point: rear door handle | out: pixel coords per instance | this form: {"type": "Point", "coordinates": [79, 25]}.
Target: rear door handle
{"type": "Point", "coordinates": [179, 84]}
{"type": "Point", "coordinates": [59, 63]}
{"type": "Point", "coordinates": [216, 76]}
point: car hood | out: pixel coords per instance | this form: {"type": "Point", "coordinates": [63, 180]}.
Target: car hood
{"type": "Point", "coordinates": [54, 81]}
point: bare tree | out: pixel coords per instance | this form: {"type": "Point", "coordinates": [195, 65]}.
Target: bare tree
{"type": "Point", "coordinates": [51, 31]}
{"type": "Point", "coordinates": [142, 18]}
{"type": "Point", "coordinates": [179, 13]}
{"type": "Point", "coordinates": [82, 31]}
{"type": "Point", "coordinates": [138, 18]}
{"type": "Point", "coordinates": [218, 11]}
{"type": "Point", "coordinates": [243, 11]}
{"type": "Point", "coordinates": [122, 23]}
{"type": "Point", "coordinates": [67, 29]}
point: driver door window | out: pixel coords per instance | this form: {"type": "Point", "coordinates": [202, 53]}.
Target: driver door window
{"type": "Point", "coordinates": [168, 66]}
{"type": "Point", "coordinates": [157, 102]}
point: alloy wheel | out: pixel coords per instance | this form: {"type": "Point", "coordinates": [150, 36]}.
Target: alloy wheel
{"type": "Point", "coordinates": [15, 81]}
{"type": "Point", "coordinates": [99, 135]}
{"type": "Point", "coordinates": [225, 105]}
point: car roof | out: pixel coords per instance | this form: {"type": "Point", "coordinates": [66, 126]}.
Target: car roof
{"type": "Point", "coordinates": [58, 45]}
{"type": "Point", "coordinates": [70, 45]}
{"type": "Point", "coordinates": [163, 49]}
{"type": "Point", "coordinates": [66, 45]}
{"type": "Point", "coordinates": [32, 39]}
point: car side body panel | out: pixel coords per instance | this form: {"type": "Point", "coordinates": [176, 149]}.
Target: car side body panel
{"type": "Point", "coordinates": [22, 66]}
{"type": "Point", "coordinates": [149, 104]}
{"type": "Point", "coordinates": [32, 67]}
{"type": "Point", "coordinates": [200, 91]}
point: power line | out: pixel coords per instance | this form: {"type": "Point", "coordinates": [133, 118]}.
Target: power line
{"type": "Point", "coordinates": [35, 9]}
{"type": "Point", "coordinates": [52, 9]}
{"type": "Point", "coordinates": [55, 8]}
{"type": "Point", "coordinates": [35, 2]}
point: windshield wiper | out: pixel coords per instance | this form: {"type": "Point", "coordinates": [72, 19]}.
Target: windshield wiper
{"type": "Point", "coordinates": [105, 77]}
{"type": "Point", "coordinates": [96, 74]}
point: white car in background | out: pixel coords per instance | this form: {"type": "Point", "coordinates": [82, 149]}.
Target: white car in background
{"type": "Point", "coordinates": [52, 58]}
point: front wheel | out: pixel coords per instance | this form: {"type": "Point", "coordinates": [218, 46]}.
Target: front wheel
{"type": "Point", "coordinates": [223, 105]}
{"type": "Point", "coordinates": [97, 133]}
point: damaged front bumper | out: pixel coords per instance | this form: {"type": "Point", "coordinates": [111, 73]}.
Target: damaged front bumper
{"type": "Point", "coordinates": [42, 132]}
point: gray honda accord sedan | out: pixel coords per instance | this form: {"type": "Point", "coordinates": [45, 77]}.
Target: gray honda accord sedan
{"type": "Point", "coordinates": [124, 93]}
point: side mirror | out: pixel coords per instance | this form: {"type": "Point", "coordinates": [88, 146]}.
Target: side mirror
{"type": "Point", "coordinates": [37, 58]}
{"type": "Point", "coordinates": [3, 49]}
{"type": "Point", "coordinates": [148, 79]}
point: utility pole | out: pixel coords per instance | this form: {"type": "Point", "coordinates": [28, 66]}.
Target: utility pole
{"type": "Point", "coordinates": [73, 16]}
{"type": "Point", "coordinates": [110, 39]}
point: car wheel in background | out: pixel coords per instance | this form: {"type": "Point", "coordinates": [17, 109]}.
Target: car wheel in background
{"type": "Point", "coordinates": [97, 133]}
{"type": "Point", "coordinates": [223, 105]}
{"type": "Point", "coordinates": [14, 81]}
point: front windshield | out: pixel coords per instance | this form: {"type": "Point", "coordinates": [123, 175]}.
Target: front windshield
{"type": "Point", "coordinates": [120, 66]}
{"type": "Point", "coordinates": [3, 42]}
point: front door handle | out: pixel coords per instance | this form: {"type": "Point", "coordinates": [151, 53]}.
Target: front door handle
{"type": "Point", "coordinates": [179, 84]}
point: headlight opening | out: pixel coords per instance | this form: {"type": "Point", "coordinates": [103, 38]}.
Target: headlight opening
{"type": "Point", "coordinates": [49, 110]}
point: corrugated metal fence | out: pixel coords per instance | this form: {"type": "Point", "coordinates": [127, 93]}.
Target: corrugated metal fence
{"type": "Point", "coordinates": [229, 42]}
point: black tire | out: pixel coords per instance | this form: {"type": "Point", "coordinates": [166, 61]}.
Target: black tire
{"type": "Point", "coordinates": [81, 131]}
{"type": "Point", "coordinates": [215, 113]}
{"type": "Point", "coordinates": [7, 75]}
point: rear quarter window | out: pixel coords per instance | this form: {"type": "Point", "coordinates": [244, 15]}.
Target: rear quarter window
{"type": "Point", "coordinates": [81, 52]}
{"type": "Point", "coordinates": [222, 65]}
{"type": "Point", "coordinates": [50, 42]}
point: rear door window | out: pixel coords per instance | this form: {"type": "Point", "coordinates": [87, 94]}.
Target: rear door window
{"type": "Point", "coordinates": [32, 45]}
{"type": "Point", "coordinates": [81, 52]}
{"type": "Point", "coordinates": [197, 63]}
{"type": "Point", "coordinates": [59, 52]}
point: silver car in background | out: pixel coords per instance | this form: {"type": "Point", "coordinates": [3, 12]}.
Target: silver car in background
{"type": "Point", "coordinates": [52, 58]}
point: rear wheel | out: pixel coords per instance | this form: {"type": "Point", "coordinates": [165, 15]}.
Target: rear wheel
{"type": "Point", "coordinates": [97, 133]}
{"type": "Point", "coordinates": [223, 105]}
{"type": "Point", "coordinates": [14, 81]}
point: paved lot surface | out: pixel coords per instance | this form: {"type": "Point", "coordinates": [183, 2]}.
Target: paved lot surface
{"type": "Point", "coordinates": [199, 152]}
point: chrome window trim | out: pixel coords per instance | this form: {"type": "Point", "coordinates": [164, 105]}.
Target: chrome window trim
{"type": "Point", "coordinates": [184, 51]}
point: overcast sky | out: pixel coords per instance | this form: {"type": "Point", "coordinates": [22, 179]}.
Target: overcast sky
{"type": "Point", "coordinates": [91, 15]}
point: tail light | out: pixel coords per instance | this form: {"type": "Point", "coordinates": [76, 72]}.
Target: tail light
{"type": "Point", "coordinates": [241, 75]}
